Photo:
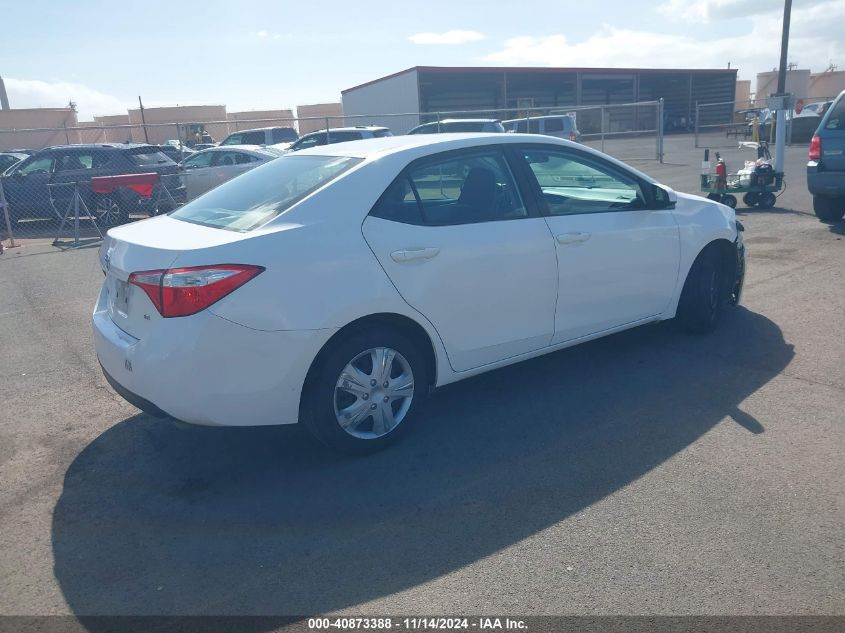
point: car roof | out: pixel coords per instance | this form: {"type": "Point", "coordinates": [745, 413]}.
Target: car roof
{"type": "Point", "coordinates": [543, 116]}
{"type": "Point", "coordinates": [254, 149]}
{"type": "Point", "coordinates": [263, 129]}
{"type": "Point", "coordinates": [89, 146]}
{"type": "Point", "coordinates": [420, 145]}
{"type": "Point", "coordinates": [352, 128]}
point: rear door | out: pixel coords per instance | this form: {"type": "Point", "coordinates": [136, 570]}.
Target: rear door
{"type": "Point", "coordinates": [617, 259]}
{"type": "Point", "coordinates": [457, 241]}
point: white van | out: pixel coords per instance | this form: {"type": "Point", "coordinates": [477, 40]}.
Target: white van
{"type": "Point", "coordinates": [559, 125]}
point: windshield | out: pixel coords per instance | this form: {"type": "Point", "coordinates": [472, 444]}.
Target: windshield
{"type": "Point", "coordinates": [258, 196]}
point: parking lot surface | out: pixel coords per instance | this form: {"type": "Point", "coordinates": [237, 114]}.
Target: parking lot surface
{"type": "Point", "coordinates": [651, 472]}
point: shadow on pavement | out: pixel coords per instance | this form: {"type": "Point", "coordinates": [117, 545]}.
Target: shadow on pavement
{"type": "Point", "coordinates": [158, 519]}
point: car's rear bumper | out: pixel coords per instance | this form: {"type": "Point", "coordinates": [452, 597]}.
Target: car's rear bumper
{"type": "Point", "coordinates": [823, 182]}
{"type": "Point", "coordinates": [206, 370]}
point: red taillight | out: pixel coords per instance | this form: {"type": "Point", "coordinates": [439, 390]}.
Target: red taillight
{"type": "Point", "coordinates": [816, 147]}
{"type": "Point", "coordinates": [184, 291]}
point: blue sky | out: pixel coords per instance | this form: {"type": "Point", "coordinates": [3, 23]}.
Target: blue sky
{"type": "Point", "coordinates": [254, 54]}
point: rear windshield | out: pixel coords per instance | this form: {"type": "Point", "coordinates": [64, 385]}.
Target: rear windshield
{"type": "Point", "coordinates": [147, 156]}
{"type": "Point", "coordinates": [258, 196]}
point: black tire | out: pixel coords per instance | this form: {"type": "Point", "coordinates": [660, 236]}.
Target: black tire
{"type": "Point", "coordinates": [704, 295]}
{"type": "Point", "coordinates": [729, 200]}
{"type": "Point", "coordinates": [714, 196]}
{"type": "Point", "coordinates": [767, 200]}
{"type": "Point", "coordinates": [109, 210]}
{"type": "Point", "coordinates": [318, 412]}
{"type": "Point", "coordinates": [750, 199]}
{"type": "Point", "coordinates": [827, 210]}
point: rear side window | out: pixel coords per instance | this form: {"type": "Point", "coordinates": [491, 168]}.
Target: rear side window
{"type": "Point", "coordinates": [148, 157]}
{"type": "Point", "coordinates": [283, 135]}
{"type": "Point", "coordinates": [458, 189]}
{"type": "Point", "coordinates": [259, 195]}
{"type": "Point", "coordinates": [554, 125]}
{"type": "Point", "coordinates": [836, 116]}
{"type": "Point", "coordinates": [253, 138]}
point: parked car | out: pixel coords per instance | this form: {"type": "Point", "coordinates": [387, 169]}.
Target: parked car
{"type": "Point", "coordinates": [459, 125]}
{"type": "Point", "coordinates": [261, 136]}
{"type": "Point", "coordinates": [559, 125]}
{"type": "Point", "coordinates": [211, 167]}
{"type": "Point", "coordinates": [41, 186]}
{"type": "Point", "coordinates": [337, 135]}
{"type": "Point", "coordinates": [336, 286]}
{"type": "Point", "coordinates": [198, 146]}
{"type": "Point", "coordinates": [826, 167]}
{"type": "Point", "coordinates": [7, 159]}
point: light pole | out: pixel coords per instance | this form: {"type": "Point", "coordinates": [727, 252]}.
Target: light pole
{"type": "Point", "coordinates": [780, 130]}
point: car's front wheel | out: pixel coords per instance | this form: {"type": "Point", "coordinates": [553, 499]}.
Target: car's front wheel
{"type": "Point", "coordinates": [365, 391]}
{"type": "Point", "coordinates": [829, 209]}
{"type": "Point", "coordinates": [704, 294]}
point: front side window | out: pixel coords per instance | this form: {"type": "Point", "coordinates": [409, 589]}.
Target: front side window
{"type": "Point", "coordinates": [233, 139]}
{"type": "Point", "coordinates": [223, 159]}
{"type": "Point", "coordinates": [342, 137]}
{"type": "Point", "coordinates": [259, 195]}
{"type": "Point", "coordinates": [461, 189]}
{"type": "Point", "coordinates": [311, 140]}
{"type": "Point", "coordinates": [572, 183]}
{"type": "Point", "coordinates": [203, 159]}
{"type": "Point", "coordinates": [37, 166]}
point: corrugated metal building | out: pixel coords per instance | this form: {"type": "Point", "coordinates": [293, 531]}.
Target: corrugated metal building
{"type": "Point", "coordinates": [434, 89]}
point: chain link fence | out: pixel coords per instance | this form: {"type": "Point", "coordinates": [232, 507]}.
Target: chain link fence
{"type": "Point", "coordinates": [727, 123]}
{"type": "Point", "coordinates": [74, 183]}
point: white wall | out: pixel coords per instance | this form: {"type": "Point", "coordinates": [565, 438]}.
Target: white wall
{"type": "Point", "coordinates": [394, 95]}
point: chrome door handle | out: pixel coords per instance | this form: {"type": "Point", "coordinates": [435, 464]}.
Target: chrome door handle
{"type": "Point", "coordinates": [412, 254]}
{"type": "Point", "coordinates": [573, 238]}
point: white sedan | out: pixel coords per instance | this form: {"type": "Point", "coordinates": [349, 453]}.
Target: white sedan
{"type": "Point", "coordinates": [337, 286]}
{"type": "Point", "coordinates": [208, 168]}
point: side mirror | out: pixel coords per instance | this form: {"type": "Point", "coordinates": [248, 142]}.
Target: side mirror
{"type": "Point", "coordinates": [664, 197]}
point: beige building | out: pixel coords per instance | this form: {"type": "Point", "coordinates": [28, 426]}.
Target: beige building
{"type": "Point", "coordinates": [826, 85]}
{"type": "Point", "coordinates": [743, 93]}
{"type": "Point", "coordinates": [334, 112]}
{"type": "Point", "coordinates": [252, 119]}
{"type": "Point", "coordinates": [31, 119]}
{"type": "Point", "coordinates": [172, 122]}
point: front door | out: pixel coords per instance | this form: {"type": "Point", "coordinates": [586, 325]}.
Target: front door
{"type": "Point", "coordinates": [618, 260]}
{"type": "Point", "coordinates": [457, 242]}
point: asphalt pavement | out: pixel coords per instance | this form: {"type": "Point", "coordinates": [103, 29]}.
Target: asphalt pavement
{"type": "Point", "coordinates": [651, 472]}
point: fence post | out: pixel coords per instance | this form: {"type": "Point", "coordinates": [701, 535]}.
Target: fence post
{"type": "Point", "coordinates": [601, 113]}
{"type": "Point", "coordinates": [660, 129]}
{"type": "Point", "coordinates": [5, 208]}
{"type": "Point", "coordinates": [696, 123]}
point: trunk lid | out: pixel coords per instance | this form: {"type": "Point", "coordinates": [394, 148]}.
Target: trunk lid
{"type": "Point", "coordinates": [148, 245]}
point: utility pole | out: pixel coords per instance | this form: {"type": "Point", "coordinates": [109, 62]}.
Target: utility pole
{"type": "Point", "coordinates": [780, 130]}
{"type": "Point", "coordinates": [143, 120]}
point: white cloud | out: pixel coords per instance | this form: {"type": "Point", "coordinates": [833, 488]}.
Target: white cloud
{"type": "Point", "coordinates": [447, 37]}
{"type": "Point", "coordinates": [261, 34]}
{"type": "Point", "coordinates": [815, 41]}
{"type": "Point", "coordinates": [33, 93]}
{"type": "Point", "coordinates": [704, 11]}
